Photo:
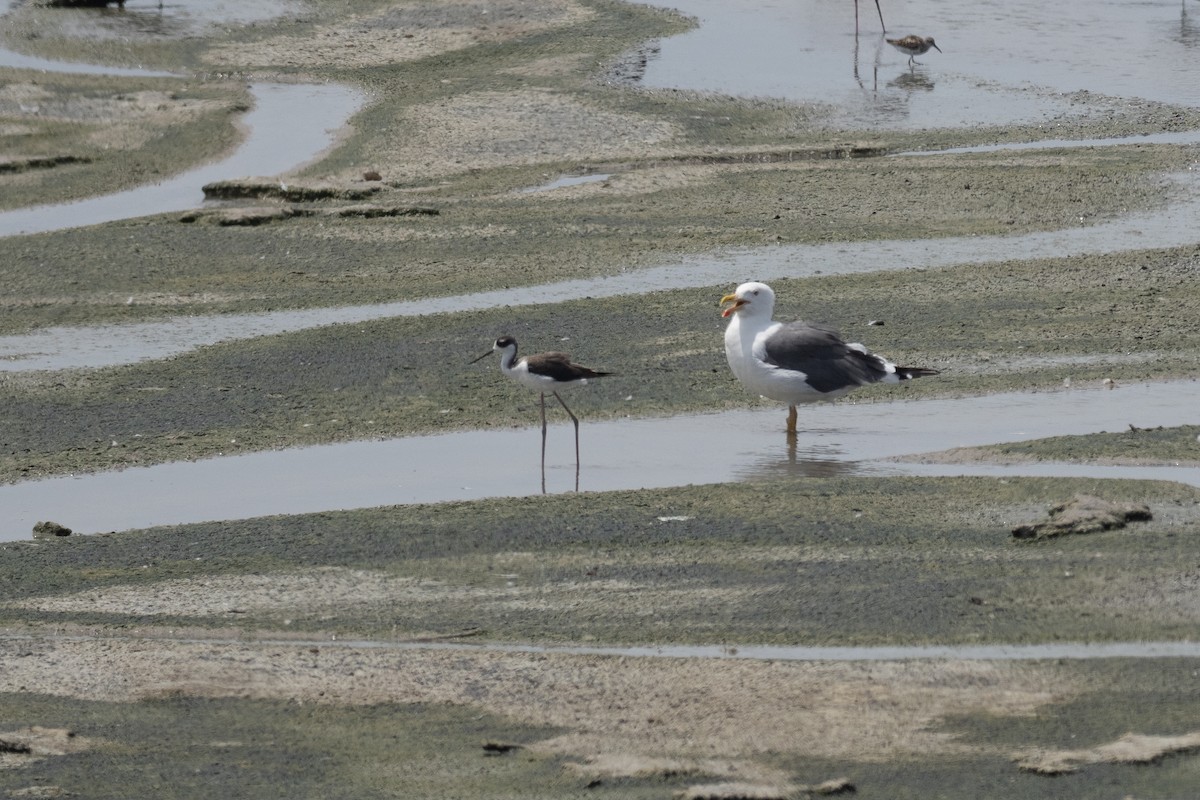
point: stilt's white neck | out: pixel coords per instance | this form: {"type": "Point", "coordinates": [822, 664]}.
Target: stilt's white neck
{"type": "Point", "coordinates": [508, 359]}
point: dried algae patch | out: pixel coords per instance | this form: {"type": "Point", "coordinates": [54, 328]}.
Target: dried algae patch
{"type": "Point", "coordinates": [406, 32]}
{"type": "Point", "coordinates": [310, 591]}
{"type": "Point", "coordinates": [630, 765]}
{"type": "Point", "coordinates": [741, 790]}
{"type": "Point", "coordinates": [21, 747]}
{"type": "Point", "coordinates": [605, 707]}
{"type": "Point", "coordinates": [736, 790]}
{"type": "Point", "coordinates": [490, 129]}
{"type": "Point", "coordinates": [109, 119]}
{"type": "Point", "coordinates": [1132, 748]}
{"type": "Point", "coordinates": [1084, 513]}
{"type": "Point", "coordinates": [327, 591]}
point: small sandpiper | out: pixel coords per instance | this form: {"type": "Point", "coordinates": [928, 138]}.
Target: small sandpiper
{"type": "Point", "coordinates": [913, 46]}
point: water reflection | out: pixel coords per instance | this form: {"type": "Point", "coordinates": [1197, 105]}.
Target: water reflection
{"type": "Point", "coordinates": [915, 79]}
{"type": "Point", "coordinates": [1188, 33]}
{"type": "Point", "coordinates": [811, 453]}
{"type": "Point", "coordinates": [877, 50]}
{"type": "Point", "coordinates": [1014, 60]}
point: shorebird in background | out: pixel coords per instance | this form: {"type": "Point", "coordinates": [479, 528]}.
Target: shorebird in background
{"type": "Point", "coordinates": [877, 8]}
{"type": "Point", "coordinates": [544, 372]}
{"type": "Point", "coordinates": [913, 46]}
{"type": "Point", "coordinates": [797, 362]}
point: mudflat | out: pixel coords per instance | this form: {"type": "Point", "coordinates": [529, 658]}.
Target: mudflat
{"type": "Point", "coordinates": [380, 652]}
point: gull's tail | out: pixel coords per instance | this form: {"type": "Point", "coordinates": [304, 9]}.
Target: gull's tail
{"type": "Point", "coordinates": [908, 373]}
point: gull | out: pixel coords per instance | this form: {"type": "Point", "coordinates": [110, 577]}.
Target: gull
{"type": "Point", "coordinates": [797, 362]}
{"type": "Point", "coordinates": [544, 372]}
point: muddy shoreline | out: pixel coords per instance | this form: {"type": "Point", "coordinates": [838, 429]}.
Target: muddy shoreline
{"type": "Point", "coordinates": [145, 627]}
{"type": "Point", "coordinates": [466, 113]}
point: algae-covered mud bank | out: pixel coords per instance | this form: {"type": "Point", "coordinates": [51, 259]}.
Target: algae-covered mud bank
{"type": "Point", "coordinates": [898, 730]}
{"type": "Point", "coordinates": [824, 561]}
{"type": "Point", "coordinates": [279, 631]}
{"type": "Point", "coordinates": [592, 176]}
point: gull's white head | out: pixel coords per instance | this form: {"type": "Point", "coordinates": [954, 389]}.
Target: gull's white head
{"type": "Point", "coordinates": [750, 300]}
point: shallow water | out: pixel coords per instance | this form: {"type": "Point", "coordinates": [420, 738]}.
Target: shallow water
{"type": "Point", "coordinates": [843, 438]}
{"type": "Point", "coordinates": [1002, 61]}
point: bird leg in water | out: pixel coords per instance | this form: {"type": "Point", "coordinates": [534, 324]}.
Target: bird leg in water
{"type": "Point", "coordinates": [791, 429]}
{"type": "Point", "coordinates": [575, 420]}
{"type": "Point", "coordinates": [543, 407]}
{"type": "Point", "coordinates": [877, 8]}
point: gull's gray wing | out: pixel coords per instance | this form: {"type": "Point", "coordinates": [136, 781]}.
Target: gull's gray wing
{"type": "Point", "coordinates": [820, 353]}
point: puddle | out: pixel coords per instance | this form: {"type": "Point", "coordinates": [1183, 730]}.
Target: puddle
{"type": "Point", "coordinates": [289, 125]}
{"type": "Point", "coordinates": [1003, 61]}
{"type": "Point", "coordinates": [842, 438]}
{"type": "Point", "coordinates": [109, 345]}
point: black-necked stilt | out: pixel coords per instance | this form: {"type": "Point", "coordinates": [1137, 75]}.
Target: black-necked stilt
{"type": "Point", "coordinates": [797, 362]}
{"type": "Point", "coordinates": [877, 8]}
{"type": "Point", "coordinates": [913, 46]}
{"type": "Point", "coordinates": [544, 372]}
